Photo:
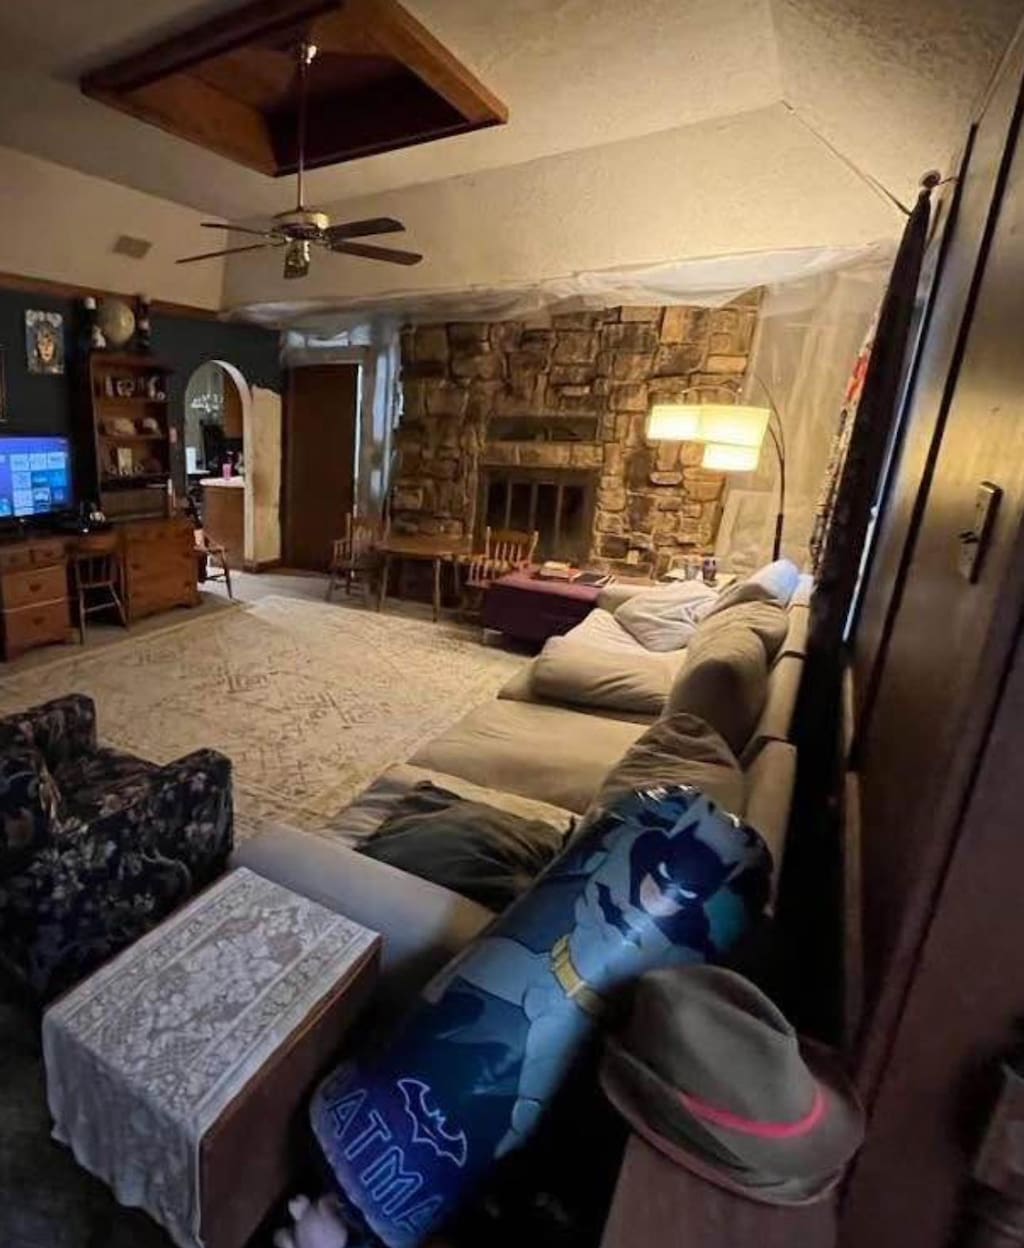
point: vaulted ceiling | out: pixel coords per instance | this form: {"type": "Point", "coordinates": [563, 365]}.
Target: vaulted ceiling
{"type": "Point", "coordinates": [887, 83]}
{"type": "Point", "coordinates": [757, 99]}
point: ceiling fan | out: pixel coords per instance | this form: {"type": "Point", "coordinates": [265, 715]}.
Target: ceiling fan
{"type": "Point", "coordinates": [302, 228]}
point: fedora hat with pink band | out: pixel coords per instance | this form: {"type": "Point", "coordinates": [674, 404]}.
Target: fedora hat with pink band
{"type": "Point", "coordinates": [710, 1072]}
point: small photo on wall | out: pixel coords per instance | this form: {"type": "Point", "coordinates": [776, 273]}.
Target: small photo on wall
{"type": "Point", "coordinates": [44, 341]}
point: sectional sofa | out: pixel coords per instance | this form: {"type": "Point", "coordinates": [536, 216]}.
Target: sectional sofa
{"type": "Point", "coordinates": [593, 712]}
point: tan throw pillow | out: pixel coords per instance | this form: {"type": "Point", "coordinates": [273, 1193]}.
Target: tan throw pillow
{"type": "Point", "coordinates": [566, 671]}
{"type": "Point", "coordinates": [724, 681]}
{"type": "Point", "coordinates": [768, 620]}
{"type": "Point", "coordinates": [678, 749]}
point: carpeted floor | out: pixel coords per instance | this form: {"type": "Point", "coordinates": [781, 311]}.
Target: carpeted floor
{"type": "Point", "coordinates": [310, 701]}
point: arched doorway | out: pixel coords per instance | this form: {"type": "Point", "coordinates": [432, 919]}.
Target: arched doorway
{"type": "Point", "coordinates": [230, 426]}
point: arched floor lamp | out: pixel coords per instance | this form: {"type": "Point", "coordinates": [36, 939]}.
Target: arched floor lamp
{"type": "Point", "coordinates": [733, 435]}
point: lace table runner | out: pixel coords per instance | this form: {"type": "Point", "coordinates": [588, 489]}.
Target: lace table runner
{"type": "Point", "coordinates": [142, 1057]}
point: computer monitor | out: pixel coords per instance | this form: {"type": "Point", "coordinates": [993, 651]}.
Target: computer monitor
{"type": "Point", "coordinates": [35, 476]}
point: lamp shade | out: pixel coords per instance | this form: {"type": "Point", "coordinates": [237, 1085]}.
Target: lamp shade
{"type": "Point", "coordinates": [733, 424]}
{"type": "Point", "coordinates": [674, 422]}
{"type": "Point", "coordinates": [729, 457]}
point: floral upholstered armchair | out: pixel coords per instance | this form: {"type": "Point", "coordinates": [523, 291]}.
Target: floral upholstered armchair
{"type": "Point", "coordinates": [96, 846]}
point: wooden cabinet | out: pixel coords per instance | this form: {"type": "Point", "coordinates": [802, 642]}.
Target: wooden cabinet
{"type": "Point", "coordinates": [159, 569]}
{"type": "Point", "coordinates": [123, 458]}
{"type": "Point", "coordinates": [33, 595]}
{"type": "Point", "coordinates": [159, 566]}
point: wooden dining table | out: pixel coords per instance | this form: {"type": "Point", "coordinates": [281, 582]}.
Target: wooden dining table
{"type": "Point", "coordinates": [426, 548]}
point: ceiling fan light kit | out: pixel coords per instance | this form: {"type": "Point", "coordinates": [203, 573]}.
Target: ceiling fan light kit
{"type": "Point", "coordinates": [302, 228]}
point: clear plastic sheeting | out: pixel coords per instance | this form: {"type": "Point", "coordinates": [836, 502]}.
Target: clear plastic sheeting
{"type": "Point", "coordinates": [817, 306]}
{"type": "Point", "coordinates": [707, 282]}
{"type": "Point", "coordinates": [809, 334]}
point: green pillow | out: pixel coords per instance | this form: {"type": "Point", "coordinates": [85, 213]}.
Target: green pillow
{"type": "Point", "coordinates": [483, 853]}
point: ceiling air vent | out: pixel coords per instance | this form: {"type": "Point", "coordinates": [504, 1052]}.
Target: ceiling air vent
{"type": "Point", "coordinates": [136, 248]}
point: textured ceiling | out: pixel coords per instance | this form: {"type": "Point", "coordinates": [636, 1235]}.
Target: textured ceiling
{"type": "Point", "coordinates": [888, 82]}
{"type": "Point", "coordinates": [574, 73]}
{"type": "Point", "coordinates": [641, 131]}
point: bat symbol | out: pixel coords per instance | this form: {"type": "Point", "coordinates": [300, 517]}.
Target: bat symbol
{"type": "Point", "coordinates": [428, 1124]}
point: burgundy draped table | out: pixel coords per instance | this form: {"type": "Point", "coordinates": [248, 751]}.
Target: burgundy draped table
{"type": "Point", "coordinates": [528, 609]}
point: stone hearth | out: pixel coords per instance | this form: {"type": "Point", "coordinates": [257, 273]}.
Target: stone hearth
{"type": "Point", "coordinates": [569, 394]}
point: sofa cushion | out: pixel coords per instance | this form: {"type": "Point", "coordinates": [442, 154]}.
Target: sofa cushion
{"type": "Point", "coordinates": [679, 749]}
{"type": "Point", "coordinates": [666, 618]}
{"type": "Point", "coordinates": [776, 718]}
{"type": "Point", "coordinates": [724, 681]}
{"type": "Point", "coordinates": [601, 629]}
{"type": "Point", "coordinates": [423, 925]}
{"type": "Point", "coordinates": [568, 671]}
{"type": "Point", "coordinates": [474, 849]}
{"type": "Point", "coordinates": [544, 752]}
{"type": "Point", "coordinates": [101, 782]}
{"type": "Point", "coordinates": [775, 582]}
{"type": "Point", "coordinates": [767, 619]}
{"type": "Point", "coordinates": [362, 817]}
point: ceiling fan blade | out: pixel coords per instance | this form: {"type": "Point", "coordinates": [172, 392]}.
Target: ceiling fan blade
{"type": "Point", "coordinates": [235, 229]}
{"type": "Point", "coordinates": [228, 251]}
{"type": "Point", "coordinates": [377, 253]}
{"type": "Point", "coordinates": [359, 229]}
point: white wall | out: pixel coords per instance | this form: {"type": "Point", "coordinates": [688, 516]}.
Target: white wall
{"type": "Point", "coordinates": [758, 181]}
{"type": "Point", "coordinates": [58, 224]}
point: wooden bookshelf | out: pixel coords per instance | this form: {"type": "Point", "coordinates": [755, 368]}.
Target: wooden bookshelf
{"type": "Point", "coordinates": [124, 433]}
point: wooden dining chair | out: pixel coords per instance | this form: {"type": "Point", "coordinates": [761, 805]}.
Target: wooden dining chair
{"type": "Point", "coordinates": [354, 556]}
{"type": "Point", "coordinates": [514, 547]}
{"type": "Point", "coordinates": [217, 557]}
{"type": "Point", "coordinates": [505, 550]}
{"type": "Point", "coordinates": [96, 573]}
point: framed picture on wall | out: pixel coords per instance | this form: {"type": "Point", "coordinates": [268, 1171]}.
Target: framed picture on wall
{"type": "Point", "coordinates": [44, 341]}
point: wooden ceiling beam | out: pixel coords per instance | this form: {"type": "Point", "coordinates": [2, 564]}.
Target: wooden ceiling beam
{"type": "Point", "coordinates": [186, 106]}
{"type": "Point", "coordinates": [394, 31]}
{"type": "Point", "coordinates": [255, 22]}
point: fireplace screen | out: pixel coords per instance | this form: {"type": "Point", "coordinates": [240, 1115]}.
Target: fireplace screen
{"type": "Point", "coordinates": [559, 504]}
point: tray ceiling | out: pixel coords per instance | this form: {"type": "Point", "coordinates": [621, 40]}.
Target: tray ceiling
{"type": "Point", "coordinates": [380, 81]}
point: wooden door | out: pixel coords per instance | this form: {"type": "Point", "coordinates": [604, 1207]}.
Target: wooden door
{"type": "Point", "coordinates": [319, 461]}
{"type": "Point", "coordinates": [939, 746]}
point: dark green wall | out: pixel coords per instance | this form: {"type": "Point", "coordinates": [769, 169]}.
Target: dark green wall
{"type": "Point", "coordinates": [35, 404]}
{"type": "Point", "coordinates": [38, 404]}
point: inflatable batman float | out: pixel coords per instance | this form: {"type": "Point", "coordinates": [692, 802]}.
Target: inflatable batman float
{"type": "Point", "coordinates": [659, 878]}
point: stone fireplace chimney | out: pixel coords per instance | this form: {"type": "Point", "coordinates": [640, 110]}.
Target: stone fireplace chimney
{"type": "Point", "coordinates": [540, 424]}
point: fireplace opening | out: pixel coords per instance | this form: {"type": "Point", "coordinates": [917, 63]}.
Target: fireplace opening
{"type": "Point", "coordinates": [558, 503]}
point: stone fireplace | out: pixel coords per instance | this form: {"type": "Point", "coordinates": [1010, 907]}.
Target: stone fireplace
{"type": "Point", "coordinates": [540, 424]}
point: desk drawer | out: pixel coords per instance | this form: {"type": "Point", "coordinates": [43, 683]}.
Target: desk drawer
{"type": "Point", "coordinates": [29, 587]}
{"type": "Point", "coordinates": [34, 554]}
{"type": "Point", "coordinates": [161, 595]}
{"type": "Point", "coordinates": [35, 626]}
{"type": "Point", "coordinates": [158, 561]}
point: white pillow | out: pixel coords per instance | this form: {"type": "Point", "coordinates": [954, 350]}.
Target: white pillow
{"type": "Point", "coordinates": [775, 582]}
{"type": "Point", "coordinates": [667, 617]}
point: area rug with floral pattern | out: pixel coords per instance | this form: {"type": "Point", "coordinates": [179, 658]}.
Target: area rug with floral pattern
{"type": "Point", "coordinates": [310, 701]}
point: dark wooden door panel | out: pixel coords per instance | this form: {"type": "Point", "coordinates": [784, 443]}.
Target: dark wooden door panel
{"type": "Point", "coordinates": [917, 750]}
{"type": "Point", "coordinates": [319, 460]}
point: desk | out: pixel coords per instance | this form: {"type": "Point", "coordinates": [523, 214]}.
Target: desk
{"type": "Point", "coordinates": [428, 549]}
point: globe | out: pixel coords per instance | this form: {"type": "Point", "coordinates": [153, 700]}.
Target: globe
{"type": "Point", "coordinates": [117, 321]}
